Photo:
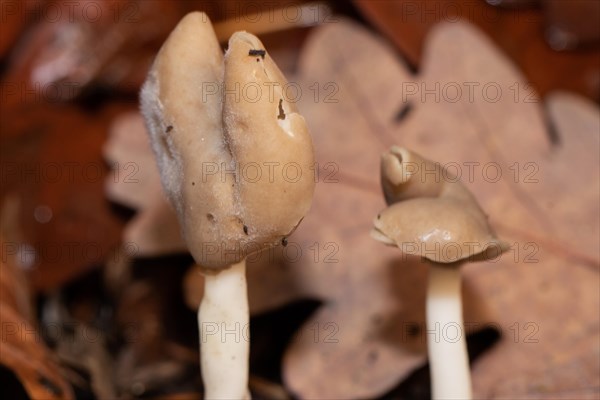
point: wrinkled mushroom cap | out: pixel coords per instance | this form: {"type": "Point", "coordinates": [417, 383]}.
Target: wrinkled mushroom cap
{"type": "Point", "coordinates": [222, 149]}
{"type": "Point", "coordinates": [268, 133]}
{"type": "Point", "coordinates": [431, 215]}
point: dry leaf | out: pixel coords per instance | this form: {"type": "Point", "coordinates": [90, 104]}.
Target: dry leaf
{"type": "Point", "coordinates": [72, 46]}
{"type": "Point", "coordinates": [553, 220]}
{"type": "Point", "coordinates": [14, 288]}
{"type": "Point", "coordinates": [22, 347]}
{"type": "Point", "coordinates": [370, 334]}
{"type": "Point", "coordinates": [135, 182]}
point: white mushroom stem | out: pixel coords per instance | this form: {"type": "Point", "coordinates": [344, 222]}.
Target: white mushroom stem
{"type": "Point", "coordinates": [446, 336]}
{"type": "Point", "coordinates": [223, 322]}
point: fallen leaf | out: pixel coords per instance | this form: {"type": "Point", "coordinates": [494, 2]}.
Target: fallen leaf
{"type": "Point", "coordinates": [23, 349]}
{"type": "Point", "coordinates": [135, 182]}
{"type": "Point", "coordinates": [370, 334]}
{"type": "Point", "coordinates": [502, 128]}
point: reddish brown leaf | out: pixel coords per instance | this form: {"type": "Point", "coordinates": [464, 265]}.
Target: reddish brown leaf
{"type": "Point", "coordinates": [23, 350]}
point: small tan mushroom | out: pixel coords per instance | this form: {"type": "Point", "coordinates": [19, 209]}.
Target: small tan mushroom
{"type": "Point", "coordinates": [236, 160]}
{"type": "Point", "coordinates": [432, 215]}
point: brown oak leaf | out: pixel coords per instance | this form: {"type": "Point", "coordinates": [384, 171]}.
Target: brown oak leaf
{"type": "Point", "coordinates": [541, 195]}
{"type": "Point", "coordinates": [471, 110]}
{"type": "Point", "coordinates": [135, 182]}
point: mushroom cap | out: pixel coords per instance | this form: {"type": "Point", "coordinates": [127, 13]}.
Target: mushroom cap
{"type": "Point", "coordinates": [441, 230]}
{"type": "Point", "coordinates": [431, 215]}
{"type": "Point", "coordinates": [269, 136]}
{"type": "Point", "coordinates": [213, 136]}
{"type": "Point", "coordinates": [405, 174]}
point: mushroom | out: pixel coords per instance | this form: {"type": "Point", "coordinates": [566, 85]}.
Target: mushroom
{"type": "Point", "coordinates": [211, 120]}
{"type": "Point", "coordinates": [432, 215]}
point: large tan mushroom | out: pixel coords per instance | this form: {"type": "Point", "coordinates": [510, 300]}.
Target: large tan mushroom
{"type": "Point", "coordinates": [432, 215]}
{"type": "Point", "coordinates": [236, 161]}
